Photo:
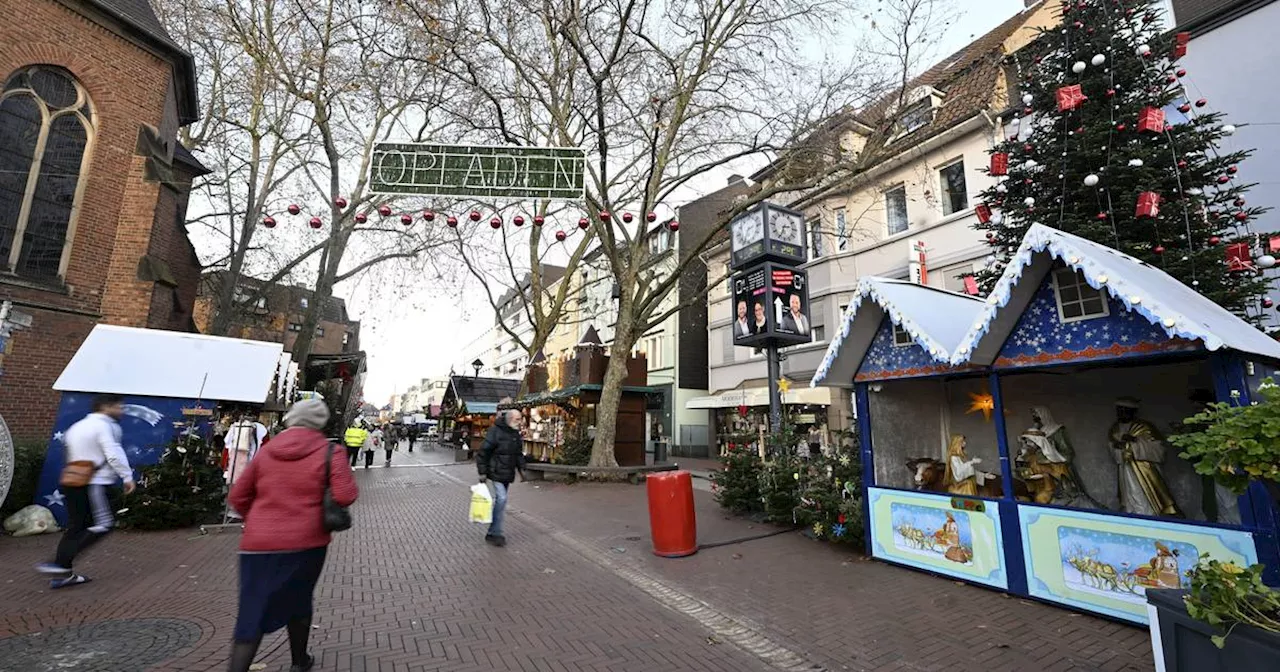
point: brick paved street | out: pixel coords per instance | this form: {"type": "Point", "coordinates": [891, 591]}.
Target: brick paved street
{"type": "Point", "coordinates": [411, 587]}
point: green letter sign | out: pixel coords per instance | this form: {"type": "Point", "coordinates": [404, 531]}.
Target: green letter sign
{"type": "Point", "coordinates": [467, 171]}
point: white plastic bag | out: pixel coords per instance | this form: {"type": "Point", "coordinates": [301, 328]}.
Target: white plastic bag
{"type": "Point", "coordinates": [481, 504]}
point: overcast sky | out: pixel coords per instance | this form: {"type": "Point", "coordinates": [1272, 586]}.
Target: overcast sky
{"type": "Point", "coordinates": [425, 330]}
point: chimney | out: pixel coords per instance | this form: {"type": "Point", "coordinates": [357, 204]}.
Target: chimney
{"type": "Point", "coordinates": [1030, 3]}
{"type": "Point", "coordinates": [735, 179]}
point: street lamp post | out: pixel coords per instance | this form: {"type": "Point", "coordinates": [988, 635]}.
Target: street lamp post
{"type": "Point", "coordinates": [477, 365]}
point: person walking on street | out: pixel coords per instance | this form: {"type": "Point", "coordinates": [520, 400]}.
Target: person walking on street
{"type": "Point", "coordinates": [93, 447]}
{"type": "Point", "coordinates": [283, 548]}
{"type": "Point", "coordinates": [354, 439]}
{"type": "Point", "coordinates": [371, 441]}
{"type": "Point", "coordinates": [383, 438]}
{"type": "Point", "coordinates": [413, 436]}
{"type": "Point", "coordinates": [501, 456]}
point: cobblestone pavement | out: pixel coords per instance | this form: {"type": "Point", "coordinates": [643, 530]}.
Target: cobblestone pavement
{"type": "Point", "coordinates": [412, 587]}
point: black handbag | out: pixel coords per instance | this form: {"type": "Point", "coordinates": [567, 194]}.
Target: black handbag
{"type": "Point", "coordinates": [336, 518]}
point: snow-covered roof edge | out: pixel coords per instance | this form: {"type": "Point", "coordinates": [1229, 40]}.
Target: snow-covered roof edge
{"type": "Point", "coordinates": [868, 288]}
{"type": "Point", "coordinates": [1099, 266]}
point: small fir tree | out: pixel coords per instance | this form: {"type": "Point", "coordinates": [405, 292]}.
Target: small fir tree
{"type": "Point", "coordinates": [737, 483]}
{"type": "Point", "coordinates": [184, 488]}
{"type": "Point", "coordinates": [1108, 145]}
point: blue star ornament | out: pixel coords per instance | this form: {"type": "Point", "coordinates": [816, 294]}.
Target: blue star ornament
{"type": "Point", "coordinates": [55, 498]}
{"type": "Point", "coordinates": [837, 530]}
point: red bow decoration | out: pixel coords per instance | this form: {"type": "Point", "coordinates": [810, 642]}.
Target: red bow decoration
{"type": "Point", "coordinates": [1238, 258]}
{"type": "Point", "coordinates": [999, 164]}
{"type": "Point", "coordinates": [1151, 119]}
{"type": "Point", "coordinates": [1148, 204]}
{"type": "Point", "coordinates": [1180, 45]}
{"type": "Point", "coordinates": [1070, 97]}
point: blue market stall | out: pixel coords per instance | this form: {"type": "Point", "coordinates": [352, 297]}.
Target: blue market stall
{"type": "Point", "coordinates": [169, 380]}
{"type": "Point", "coordinates": [1017, 441]}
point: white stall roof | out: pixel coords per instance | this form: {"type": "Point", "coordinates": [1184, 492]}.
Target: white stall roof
{"type": "Point", "coordinates": [155, 363]}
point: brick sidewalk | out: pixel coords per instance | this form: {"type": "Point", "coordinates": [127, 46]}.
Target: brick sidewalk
{"type": "Point", "coordinates": [411, 587]}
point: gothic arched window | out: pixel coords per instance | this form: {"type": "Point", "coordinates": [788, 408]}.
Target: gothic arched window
{"type": "Point", "coordinates": [46, 123]}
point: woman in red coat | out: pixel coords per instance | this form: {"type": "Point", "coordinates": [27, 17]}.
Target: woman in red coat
{"type": "Point", "coordinates": [283, 548]}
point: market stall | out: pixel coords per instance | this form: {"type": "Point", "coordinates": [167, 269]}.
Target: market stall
{"type": "Point", "coordinates": [468, 406]}
{"type": "Point", "coordinates": [170, 381]}
{"type": "Point", "coordinates": [1018, 442]}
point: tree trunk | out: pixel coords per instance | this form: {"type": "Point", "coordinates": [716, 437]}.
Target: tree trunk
{"type": "Point", "coordinates": [602, 454]}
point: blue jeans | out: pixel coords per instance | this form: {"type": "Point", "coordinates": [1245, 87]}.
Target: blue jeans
{"type": "Point", "coordinates": [499, 508]}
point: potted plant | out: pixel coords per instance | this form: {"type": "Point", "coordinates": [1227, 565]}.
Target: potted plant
{"type": "Point", "coordinates": [1228, 619]}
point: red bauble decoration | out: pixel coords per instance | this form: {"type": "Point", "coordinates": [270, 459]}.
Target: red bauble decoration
{"type": "Point", "coordinates": [1184, 108]}
{"type": "Point", "coordinates": [991, 236]}
{"type": "Point", "coordinates": [539, 220]}
{"type": "Point", "coordinates": [1079, 129]}
{"type": "Point", "coordinates": [315, 223]}
{"type": "Point", "coordinates": [1027, 147]}
{"type": "Point", "coordinates": [1158, 249]}
{"type": "Point", "coordinates": [673, 225]}
{"type": "Point", "coordinates": [1151, 119]}
{"type": "Point", "coordinates": [495, 223]}
{"type": "Point", "coordinates": [999, 164]}
{"type": "Point", "coordinates": [627, 217]}
{"type": "Point", "coordinates": [475, 215]}
{"type": "Point", "coordinates": [1028, 110]}
{"type": "Point", "coordinates": [1214, 240]}
{"type": "Point", "coordinates": [651, 217]}
{"type": "Point", "coordinates": [269, 222]}
{"type": "Point", "coordinates": [1223, 179]}
{"type": "Point", "coordinates": [1121, 127]}
{"type": "Point", "coordinates": [1267, 302]}
{"type": "Point", "coordinates": [1148, 204]}
{"type": "Point", "coordinates": [1202, 102]}
{"type": "Point", "coordinates": [1239, 202]}
{"type": "Point", "coordinates": [1242, 216]}
{"type": "Point", "coordinates": [1182, 163]}
{"type": "Point", "coordinates": [1078, 24]}
{"type": "Point", "coordinates": [384, 210]}
{"type": "Point", "coordinates": [1111, 93]}
{"type": "Point", "coordinates": [1070, 97]}
{"type": "Point", "coordinates": [428, 215]}
{"type": "Point", "coordinates": [605, 216]}
{"type": "Point", "coordinates": [1232, 170]}
{"type": "Point", "coordinates": [1182, 72]}
{"type": "Point", "coordinates": [561, 235]}
{"type": "Point", "coordinates": [1102, 215]}
{"type": "Point", "coordinates": [294, 209]}
{"type": "Point", "coordinates": [340, 202]}
{"type": "Point", "coordinates": [406, 219]}
{"type": "Point", "coordinates": [1148, 17]}
{"type": "Point", "coordinates": [452, 221]}
{"type": "Point", "coordinates": [518, 220]}
{"type": "Point", "coordinates": [361, 218]}
{"type": "Point", "coordinates": [1170, 79]}
{"type": "Point", "coordinates": [584, 223]}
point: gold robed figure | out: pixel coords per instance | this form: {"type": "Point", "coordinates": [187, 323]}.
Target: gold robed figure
{"type": "Point", "coordinates": [960, 477]}
{"type": "Point", "coordinates": [1139, 449]}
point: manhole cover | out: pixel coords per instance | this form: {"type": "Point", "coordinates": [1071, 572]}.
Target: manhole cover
{"type": "Point", "coordinates": [120, 646]}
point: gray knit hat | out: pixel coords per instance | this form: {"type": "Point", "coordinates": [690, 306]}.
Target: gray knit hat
{"type": "Point", "coordinates": [309, 413]}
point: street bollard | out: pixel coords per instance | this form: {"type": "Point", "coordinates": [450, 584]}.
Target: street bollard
{"type": "Point", "coordinates": [672, 522]}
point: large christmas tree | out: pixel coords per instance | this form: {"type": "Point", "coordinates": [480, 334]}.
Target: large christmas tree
{"type": "Point", "coordinates": [1110, 146]}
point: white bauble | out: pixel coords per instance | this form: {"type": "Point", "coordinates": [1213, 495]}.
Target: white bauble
{"type": "Point", "coordinates": [1029, 163]}
{"type": "Point", "coordinates": [1029, 201]}
{"type": "Point", "coordinates": [1266, 261]}
{"type": "Point", "coordinates": [1194, 191]}
{"type": "Point", "coordinates": [1098, 59]}
{"type": "Point", "coordinates": [1144, 49]}
{"type": "Point", "coordinates": [1014, 123]}
{"type": "Point", "coordinates": [1136, 163]}
{"type": "Point", "coordinates": [1001, 188]}
{"type": "Point", "coordinates": [1090, 180]}
{"type": "Point", "coordinates": [1027, 99]}
{"type": "Point", "coordinates": [996, 218]}
{"type": "Point", "coordinates": [1078, 67]}
{"type": "Point", "coordinates": [1228, 129]}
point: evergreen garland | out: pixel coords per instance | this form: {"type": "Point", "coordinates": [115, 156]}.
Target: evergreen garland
{"type": "Point", "coordinates": [183, 489]}
{"type": "Point", "coordinates": [1084, 170]}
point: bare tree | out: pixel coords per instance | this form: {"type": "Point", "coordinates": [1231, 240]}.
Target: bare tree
{"type": "Point", "coordinates": [661, 95]}
{"type": "Point", "coordinates": [296, 95]}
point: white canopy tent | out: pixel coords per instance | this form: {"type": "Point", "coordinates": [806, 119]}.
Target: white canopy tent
{"type": "Point", "coordinates": [155, 363]}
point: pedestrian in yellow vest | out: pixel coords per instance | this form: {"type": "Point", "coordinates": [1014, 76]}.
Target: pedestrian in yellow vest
{"type": "Point", "coordinates": [354, 439]}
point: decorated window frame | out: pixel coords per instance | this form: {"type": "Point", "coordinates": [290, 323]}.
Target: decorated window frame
{"type": "Point", "coordinates": [1092, 303]}
{"type": "Point", "coordinates": [901, 338]}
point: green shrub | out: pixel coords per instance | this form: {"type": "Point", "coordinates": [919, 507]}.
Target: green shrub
{"type": "Point", "coordinates": [576, 452]}
{"type": "Point", "coordinates": [737, 484]}
{"type": "Point", "coordinates": [28, 460]}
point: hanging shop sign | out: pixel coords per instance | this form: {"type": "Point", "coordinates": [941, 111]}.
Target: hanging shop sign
{"type": "Point", "coordinates": [767, 232]}
{"type": "Point", "coordinates": [473, 171]}
{"type": "Point", "coordinates": [771, 302]}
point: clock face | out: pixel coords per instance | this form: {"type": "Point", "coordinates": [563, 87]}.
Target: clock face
{"type": "Point", "coordinates": [786, 227]}
{"type": "Point", "coordinates": [748, 230]}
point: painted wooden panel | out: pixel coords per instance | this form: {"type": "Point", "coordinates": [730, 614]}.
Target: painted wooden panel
{"type": "Point", "coordinates": [1040, 337]}
{"type": "Point", "coordinates": [1104, 563]}
{"type": "Point", "coordinates": [956, 537]}
{"type": "Point", "coordinates": [885, 361]}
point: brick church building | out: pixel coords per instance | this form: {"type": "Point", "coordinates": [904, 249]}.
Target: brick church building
{"type": "Point", "coordinates": [93, 187]}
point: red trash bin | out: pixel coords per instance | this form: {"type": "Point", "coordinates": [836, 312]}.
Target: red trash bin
{"type": "Point", "coordinates": [671, 519]}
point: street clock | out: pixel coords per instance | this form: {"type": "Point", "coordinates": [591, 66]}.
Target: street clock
{"type": "Point", "coordinates": [767, 232]}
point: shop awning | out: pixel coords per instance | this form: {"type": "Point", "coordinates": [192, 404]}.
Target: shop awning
{"type": "Point", "coordinates": [482, 407]}
{"type": "Point", "coordinates": [759, 396]}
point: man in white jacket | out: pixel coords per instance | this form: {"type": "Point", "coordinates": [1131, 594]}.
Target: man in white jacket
{"type": "Point", "coordinates": [96, 439]}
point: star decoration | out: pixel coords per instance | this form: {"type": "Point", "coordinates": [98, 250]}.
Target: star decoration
{"type": "Point", "coordinates": [784, 385]}
{"type": "Point", "coordinates": [55, 498]}
{"type": "Point", "coordinates": [57, 436]}
{"type": "Point", "coordinates": [981, 402]}
{"type": "Point", "coordinates": [818, 529]}
{"type": "Point", "coordinates": [837, 530]}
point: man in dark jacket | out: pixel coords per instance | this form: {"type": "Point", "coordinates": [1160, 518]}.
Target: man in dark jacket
{"type": "Point", "coordinates": [501, 456]}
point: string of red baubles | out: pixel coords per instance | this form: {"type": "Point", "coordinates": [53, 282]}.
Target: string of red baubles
{"type": "Point", "coordinates": [495, 222]}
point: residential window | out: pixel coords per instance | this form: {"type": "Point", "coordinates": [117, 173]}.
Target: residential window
{"type": "Point", "coordinates": [901, 338]}
{"type": "Point", "coordinates": [815, 239]}
{"type": "Point", "coordinates": [294, 326]}
{"type": "Point", "coordinates": [916, 117]}
{"type": "Point", "coordinates": [346, 338]}
{"type": "Point", "coordinates": [1076, 299]}
{"type": "Point", "coordinates": [895, 207]}
{"type": "Point", "coordinates": [319, 331]}
{"type": "Point", "coordinates": [46, 123]}
{"type": "Point", "coordinates": [819, 333]}
{"type": "Point", "coordinates": [953, 278]}
{"type": "Point", "coordinates": [842, 231]}
{"type": "Point", "coordinates": [954, 196]}
{"type": "Point", "coordinates": [305, 303]}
